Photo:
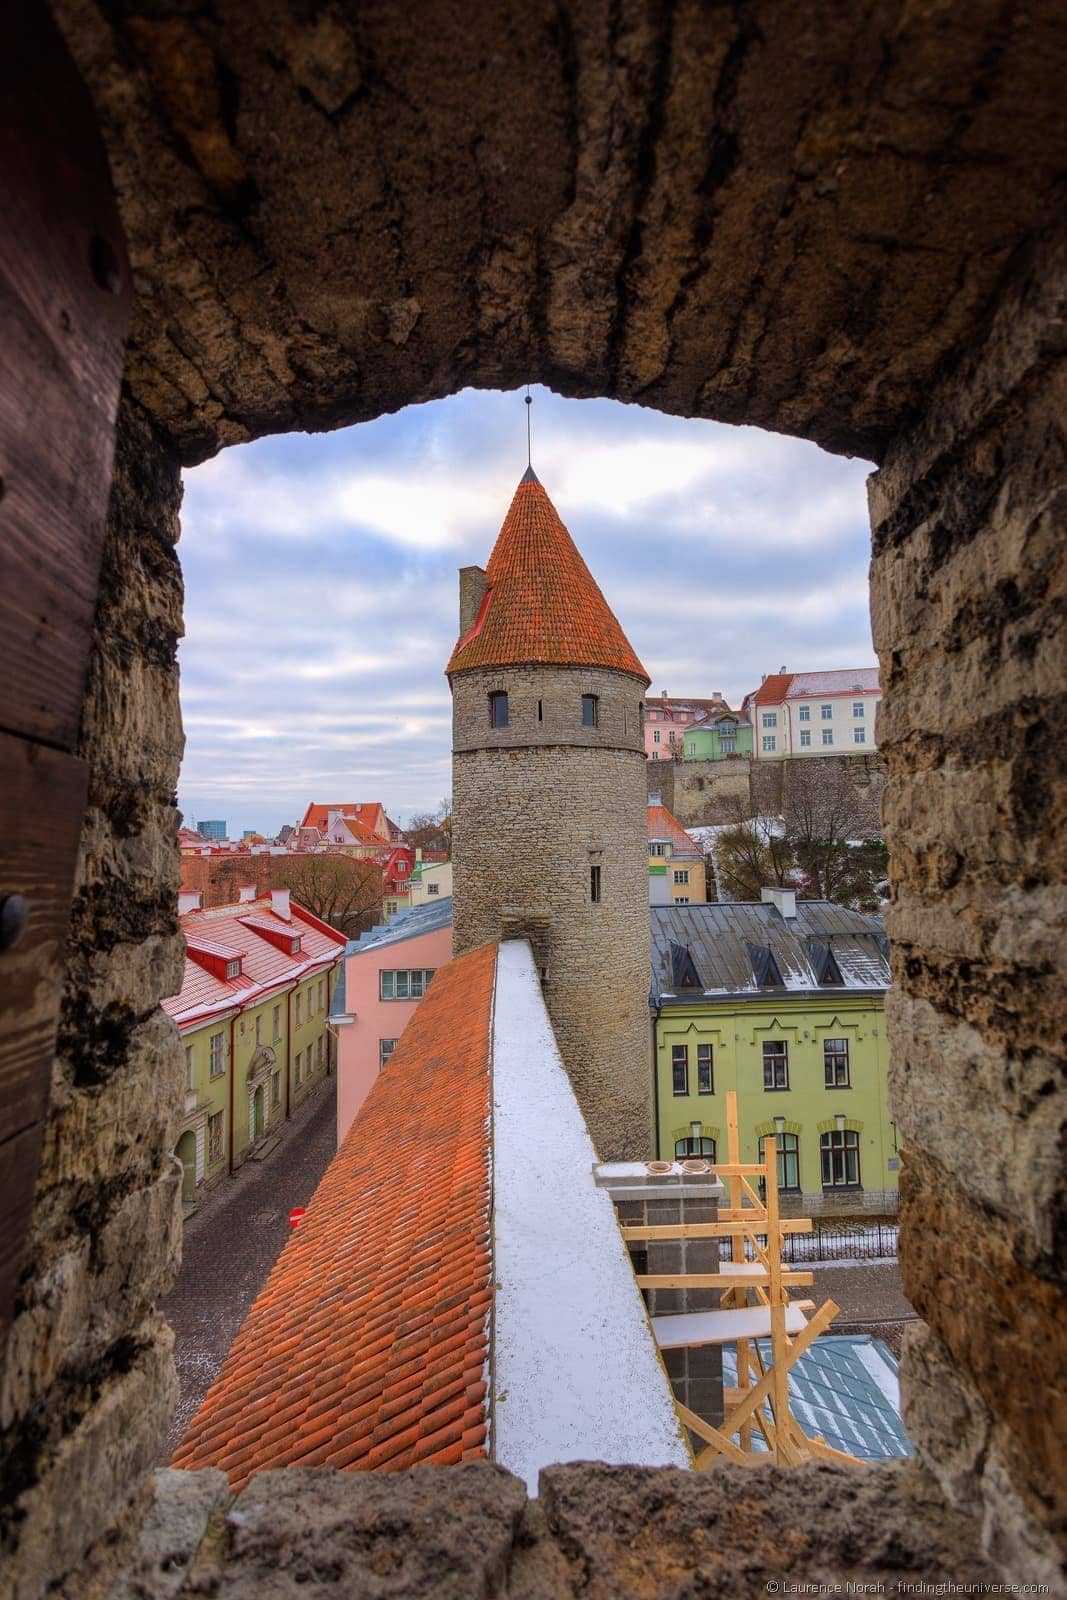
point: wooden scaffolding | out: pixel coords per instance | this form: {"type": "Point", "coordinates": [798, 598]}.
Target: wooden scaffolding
{"type": "Point", "coordinates": [755, 1307]}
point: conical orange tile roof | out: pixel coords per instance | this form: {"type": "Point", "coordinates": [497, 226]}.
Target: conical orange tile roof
{"type": "Point", "coordinates": [541, 602]}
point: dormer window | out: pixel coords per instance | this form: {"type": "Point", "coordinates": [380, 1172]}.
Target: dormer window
{"type": "Point", "coordinates": [498, 709]}
{"type": "Point", "coordinates": [590, 710]}
{"type": "Point", "coordinates": [233, 969]}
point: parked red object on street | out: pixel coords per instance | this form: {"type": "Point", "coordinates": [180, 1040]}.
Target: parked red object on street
{"type": "Point", "coordinates": [296, 1216]}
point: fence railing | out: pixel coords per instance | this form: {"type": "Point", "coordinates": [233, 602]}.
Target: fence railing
{"type": "Point", "coordinates": [871, 1241]}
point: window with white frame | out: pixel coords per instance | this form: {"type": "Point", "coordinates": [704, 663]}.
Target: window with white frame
{"type": "Point", "coordinates": [705, 1078]}
{"type": "Point", "coordinates": [276, 1023]}
{"type": "Point", "coordinates": [805, 738]}
{"type": "Point", "coordinates": [681, 875]}
{"type": "Point", "coordinates": [671, 737]}
{"type": "Point", "coordinates": [835, 1063]}
{"type": "Point", "coordinates": [679, 1069]}
{"type": "Point", "coordinates": [433, 888]}
{"type": "Point", "coordinates": [693, 1148]}
{"type": "Point", "coordinates": [681, 900]}
{"type": "Point", "coordinates": [857, 708]}
{"type": "Point", "coordinates": [299, 1009]}
{"type": "Point", "coordinates": [828, 736]}
{"type": "Point", "coordinates": [657, 847]}
{"type": "Point", "coordinates": [385, 1050]}
{"type": "Point", "coordinates": [769, 719]}
{"type": "Point", "coordinates": [827, 713]}
{"type": "Point", "coordinates": [775, 1064]}
{"type": "Point", "coordinates": [805, 713]}
{"type": "Point", "coordinates": [859, 736]}
{"type": "Point", "coordinates": [218, 1055]}
{"type": "Point", "coordinates": [409, 983]}
{"type": "Point", "coordinates": [690, 749]}
{"type": "Point", "coordinates": [769, 741]}
{"type": "Point", "coordinates": [840, 1153]}
{"type": "Point", "coordinates": [655, 736]}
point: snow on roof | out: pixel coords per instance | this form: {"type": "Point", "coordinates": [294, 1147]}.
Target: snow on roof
{"type": "Point", "coordinates": [576, 1372]}
{"type": "Point", "coordinates": [849, 680]}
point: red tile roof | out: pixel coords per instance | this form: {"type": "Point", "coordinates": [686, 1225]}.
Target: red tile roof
{"type": "Point", "coordinates": [368, 1344]}
{"type": "Point", "coordinates": [773, 689]}
{"type": "Point", "coordinates": [225, 929]}
{"type": "Point", "coordinates": [541, 602]}
{"type": "Point", "coordinates": [366, 815]}
{"type": "Point", "coordinates": [663, 824]}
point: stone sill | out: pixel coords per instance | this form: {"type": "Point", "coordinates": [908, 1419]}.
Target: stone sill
{"type": "Point", "coordinates": [450, 1533]}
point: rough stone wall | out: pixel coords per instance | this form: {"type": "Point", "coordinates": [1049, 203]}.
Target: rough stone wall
{"type": "Point", "coordinates": [535, 805]}
{"type": "Point", "coordinates": [713, 791]}
{"type": "Point", "coordinates": [968, 584]}
{"type": "Point", "coordinates": [89, 1383]}
{"type": "Point", "coordinates": [220, 879]}
{"type": "Point", "coordinates": [767, 212]}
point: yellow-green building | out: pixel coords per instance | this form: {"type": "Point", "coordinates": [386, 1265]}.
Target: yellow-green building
{"type": "Point", "coordinates": [251, 1013]}
{"type": "Point", "coordinates": [783, 1002]}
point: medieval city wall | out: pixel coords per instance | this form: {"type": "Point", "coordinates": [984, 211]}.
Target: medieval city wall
{"type": "Point", "coordinates": [701, 792]}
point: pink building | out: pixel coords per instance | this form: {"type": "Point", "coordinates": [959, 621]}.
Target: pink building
{"type": "Point", "coordinates": [667, 721]}
{"type": "Point", "coordinates": [383, 977]}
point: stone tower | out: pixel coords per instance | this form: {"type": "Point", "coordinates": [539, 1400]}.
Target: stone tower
{"type": "Point", "coordinates": [548, 805]}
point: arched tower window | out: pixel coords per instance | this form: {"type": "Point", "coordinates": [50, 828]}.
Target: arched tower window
{"type": "Point", "coordinates": [498, 709]}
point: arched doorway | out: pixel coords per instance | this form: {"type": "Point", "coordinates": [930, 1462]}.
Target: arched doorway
{"type": "Point", "coordinates": [185, 1150]}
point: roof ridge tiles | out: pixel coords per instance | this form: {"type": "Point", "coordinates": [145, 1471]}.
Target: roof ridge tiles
{"type": "Point", "coordinates": [542, 605]}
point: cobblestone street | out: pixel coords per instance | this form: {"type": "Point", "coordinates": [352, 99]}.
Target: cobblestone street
{"type": "Point", "coordinates": [232, 1241]}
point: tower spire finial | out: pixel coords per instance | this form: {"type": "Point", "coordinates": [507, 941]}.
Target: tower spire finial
{"type": "Point", "coordinates": [529, 446]}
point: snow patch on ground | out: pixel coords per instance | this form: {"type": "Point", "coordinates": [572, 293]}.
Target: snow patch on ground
{"type": "Point", "coordinates": [576, 1372]}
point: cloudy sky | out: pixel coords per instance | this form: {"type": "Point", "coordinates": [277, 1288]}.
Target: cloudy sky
{"type": "Point", "coordinates": [321, 589]}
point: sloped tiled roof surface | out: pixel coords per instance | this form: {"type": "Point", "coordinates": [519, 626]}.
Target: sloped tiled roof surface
{"type": "Point", "coordinates": [225, 929]}
{"type": "Point", "coordinates": [366, 815]}
{"type": "Point", "coordinates": [542, 604]}
{"type": "Point", "coordinates": [663, 824]}
{"type": "Point", "coordinates": [773, 689]}
{"type": "Point", "coordinates": [368, 1344]}
{"type": "Point", "coordinates": [845, 1387]}
{"type": "Point", "coordinates": [719, 937]}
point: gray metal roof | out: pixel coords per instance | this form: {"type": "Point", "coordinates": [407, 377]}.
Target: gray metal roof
{"type": "Point", "coordinates": [724, 940]}
{"type": "Point", "coordinates": [846, 1388]}
{"type": "Point", "coordinates": [407, 924]}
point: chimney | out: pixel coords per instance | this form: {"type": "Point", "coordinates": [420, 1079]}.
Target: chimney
{"type": "Point", "coordinates": [331, 817]}
{"type": "Point", "coordinates": [783, 899]}
{"type": "Point", "coordinates": [279, 904]}
{"type": "Point", "coordinates": [190, 900]}
{"type": "Point", "coordinates": [246, 892]}
{"type": "Point", "coordinates": [663, 694]}
{"type": "Point", "coordinates": [471, 590]}
{"type": "Point", "coordinates": [418, 852]}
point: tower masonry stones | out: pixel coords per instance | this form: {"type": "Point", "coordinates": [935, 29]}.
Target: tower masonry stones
{"type": "Point", "coordinates": [548, 805]}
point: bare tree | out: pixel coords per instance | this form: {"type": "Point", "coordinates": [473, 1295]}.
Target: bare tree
{"type": "Point", "coordinates": [343, 891]}
{"type": "Point", "coordinates": [432, 830]}
{"type": "Point", "coordinates": [823, 824]}
{"type": "Point", "coordinates": [749, 853]}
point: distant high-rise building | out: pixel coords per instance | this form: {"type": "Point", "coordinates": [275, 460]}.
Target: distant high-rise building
{"type": "Point", "coordinates": [549, 804]}
{"type": "Point", "coordinates": [213, 830]}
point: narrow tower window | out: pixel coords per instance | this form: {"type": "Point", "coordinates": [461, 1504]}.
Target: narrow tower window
{"type": "Point", "coordinates": [594, 885]}
{"type": "Point", "coordinates": [589, 711]}
{"type": "Point", "coordinates": [498, 710]}
{"type": "Point", "coordinates": [540, 711]}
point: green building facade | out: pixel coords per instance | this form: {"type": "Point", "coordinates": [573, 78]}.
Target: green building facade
{"type": "Point", "coordinates": [788, 1012]}
{"type": "Point", "coordinates": [724, 734]}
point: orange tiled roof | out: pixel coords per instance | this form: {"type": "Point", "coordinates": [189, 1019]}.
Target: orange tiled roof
{"type": "Point", "coordinates": [773, 689]}
{"type": "Point", "coordinates": [366, 815]}
{"type": "Point", "coordinates": [663, 824]}
{"type": "Point", "coordinates": [367, 1346]}
{"type": "Point", "coordinates": [541, 602]}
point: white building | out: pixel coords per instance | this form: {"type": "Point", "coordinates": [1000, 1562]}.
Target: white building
{"type": "Point", "coordinates": [814, 713]}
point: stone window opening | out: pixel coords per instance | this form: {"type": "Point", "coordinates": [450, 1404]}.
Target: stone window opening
{"type": "Point", "coordinates": [540, 711]}
{"type": "Point", "coordinates": [591, 711]}
{"type": "Point", "coordinates": [498, 709]}
{"type": "Point", "coordinates": [896, 439]}
{"type": "Point", "coordinates": [594, 885]}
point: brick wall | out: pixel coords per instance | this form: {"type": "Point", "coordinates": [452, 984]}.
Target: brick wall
{"type": "Point", "coordinates": [535, 806]}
